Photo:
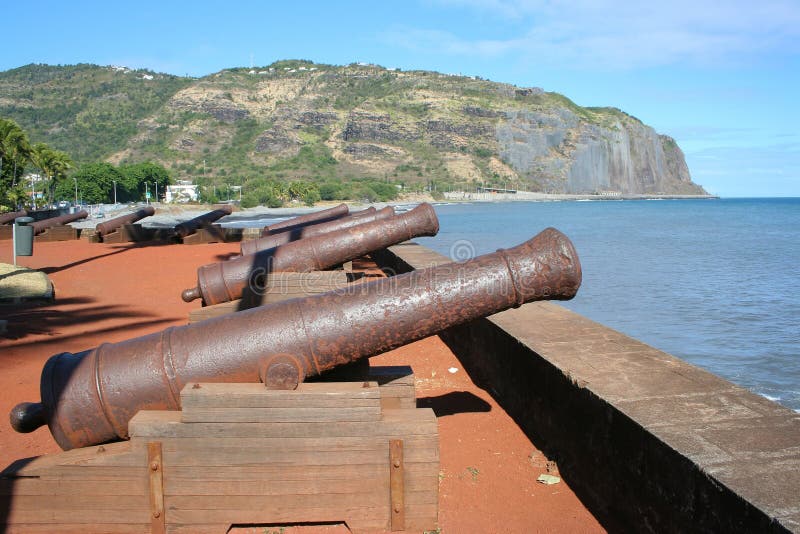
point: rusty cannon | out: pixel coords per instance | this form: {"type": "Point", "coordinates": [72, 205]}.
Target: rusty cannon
{"type": "Point", "coordinates": [304, 220]}
{"type": "Point", "coordinates": [189, 227]}
{"type": "Point", "coordinates": [9, 217]}
{"type": "Point", "coordinates": [89, 397]}
{"type": "Point", "coordinates": [227, 280]}
{"type": "Point", "coordinates": [41, 226]}
{"type": "Point", "coordinates": [114, 224]}
{"type": "Point", "coordinates": [304, 232]}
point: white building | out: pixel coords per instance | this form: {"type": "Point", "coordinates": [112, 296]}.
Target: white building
{"type": "Point", "coordinates": [183, 191]}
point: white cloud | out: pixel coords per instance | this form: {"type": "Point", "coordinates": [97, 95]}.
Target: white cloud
{"type": "Point", "coordinates": [622, 35]}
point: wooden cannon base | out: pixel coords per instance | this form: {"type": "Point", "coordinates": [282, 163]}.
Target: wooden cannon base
{"type": "Point", "coordinates": [129, 233]}
{"type": "Point", "coordinates": [58, 233]}
{"type": "Point", "coordinates": [213, 233]}
{"type": "Point", "coordinates": [239, 454]}
{"type": "Point", "coordinates": [55, 233]}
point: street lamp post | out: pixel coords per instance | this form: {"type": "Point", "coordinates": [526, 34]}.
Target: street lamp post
{"type": "Point", "coordinates": [146, 194]}
{"type": "Point", "coordinates": [156, 184]}
{"type": "Point", "coordinates": [76, 189]}
{"type": "Point", "coordinates": [115, 192]}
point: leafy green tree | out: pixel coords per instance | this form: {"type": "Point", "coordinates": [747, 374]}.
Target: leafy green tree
{"type": "Point", "coordinates": [137, 174]}
{"type": "Point", "coordinates": [95, 182]}
{"type": "Point", "coordinates": [53, 165]}
{"type": "Point", "coordinates": [15, 151]}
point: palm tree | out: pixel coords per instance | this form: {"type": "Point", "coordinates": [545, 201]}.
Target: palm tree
{"type": "Point", "coordinates": [53, 165]}
{"type": "Point", "coordinates": [14, 147]}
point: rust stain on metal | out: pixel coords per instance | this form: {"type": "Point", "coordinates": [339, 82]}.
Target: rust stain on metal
{"type": "Point", "coordinates": [227, 280]}
{"type": "Point", "coordinates": [304, 232]}
{"type": "Point", "coordinates": [304, 220]}
{"type": "Point", "coordinates": [192, 225]}
{"type": "Point", "coordinates": [114, 224]}
{"type": "Point", "coordinates": [89, 397]}
{"type": "Point", "coordinates": [6, 218]}
{"type": "Point", "coordinates": [41, 226]}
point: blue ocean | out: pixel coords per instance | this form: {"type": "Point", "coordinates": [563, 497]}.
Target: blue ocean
{"type": "Point", "coordinates": [714, 282]}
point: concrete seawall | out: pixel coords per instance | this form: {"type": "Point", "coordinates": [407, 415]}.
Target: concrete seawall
{"type": "Point", "coordinates": [648, 441]}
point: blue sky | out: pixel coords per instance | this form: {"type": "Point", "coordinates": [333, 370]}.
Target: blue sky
{"type": "Point", "coordinates": [723, 78]}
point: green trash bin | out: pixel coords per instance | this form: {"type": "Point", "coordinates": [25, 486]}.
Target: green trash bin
{"type": "Point", "coordinates": [23, 236]}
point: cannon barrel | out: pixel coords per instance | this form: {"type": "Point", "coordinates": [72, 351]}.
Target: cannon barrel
{"type": "Point", "coordinates": [189, 227]}
{"type": "Point", "coordinates": [227, 280]}
{"type": "Point", "coordinates": [113, 224]}
{"type": "Point", "coordinates": [89, 397]}
{"type": "Point", "coordinates": [304, 232]}
{"type": "Point", "coordinates": [6, 218]}
{"type": "Point", "coordinates": [41, 226]}
{"type": "Point", "coordinates": [304, 220]}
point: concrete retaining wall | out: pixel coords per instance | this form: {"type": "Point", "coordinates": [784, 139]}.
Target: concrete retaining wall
{"type": "Point", "coordinates": [649, 442]}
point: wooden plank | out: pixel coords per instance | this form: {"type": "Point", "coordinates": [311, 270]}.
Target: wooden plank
{"type": "Point", "coordinates": [77, 528]}
{"type": "Point", "coordinates": [394, 423]}
{"type": "Point", "coordinates": [317, 443]}
{"type": "Point", "coordinates": [299, 473]}
{"type": "Point", "coordinates": [155, 466]}
{"type": "Point", "coordinates": [59, 486]}
{"type": "Point", "coordinates": [58, 233]}
{"type": "Point", "coordinates": [132, 473]}
{"type": "Point", "coordinates": [216, 310]}
{"type": "Point", "coordinates": [280, 415]}
{"type": "Point", "coordinates": [397, 384]}
{"type": "Point", "coordinates": [44, 514]}
{"type": "Point", "coordinates": [237, 456]}
{"type": "Point", "coordinates": [213, 233]}
{"type": "Point", "coordinates": [39, 465]}
{"type": "Point", "coordinates": [396, 487]}
{"type": "Point", "coordinates": [268, 486]}
{"type": "Point", "coordinates": [311, 514]}
{"type": "Point", "coordinates": [256, 395]}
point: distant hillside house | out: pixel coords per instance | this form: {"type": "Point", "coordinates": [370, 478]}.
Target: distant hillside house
{"type": "Point", "coordinates": [182, 192]}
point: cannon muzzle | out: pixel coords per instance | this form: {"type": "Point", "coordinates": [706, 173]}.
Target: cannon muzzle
{"type": "Point", "coordinates": [6, 218]}
{"type": "Point", "coordinates": [304, 232]}
{"type": "Point", "coordinates": [111, 225]}
{"type": "Point", "coordinates": [227, 280]}
{"type": "Point", "coordinates": [88, 398]}
{"type": "Point", "coordinates": [44, 224]}
{"type": "Point", "coordinates": [189, 227]}
{"type": "Point", "coordinates": [304, 220]}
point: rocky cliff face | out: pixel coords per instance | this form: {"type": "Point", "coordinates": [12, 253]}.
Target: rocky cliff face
{"type": "Point", "coordinates": [296, 119]}
{"type": "Point", "coordinates": [558, 152]}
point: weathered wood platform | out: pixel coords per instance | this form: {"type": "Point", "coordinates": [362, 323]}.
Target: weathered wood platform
{"type": "Point", "coordinates": [279, 287]}
{"type": "Point", "coordinates": [241, 454]}
{"type": "Point", "coordinates": [128, 233]}
{"type": "Point", "coordinates": [213, 233]}
{"type": "Point", "coordinates": [58, 233]}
